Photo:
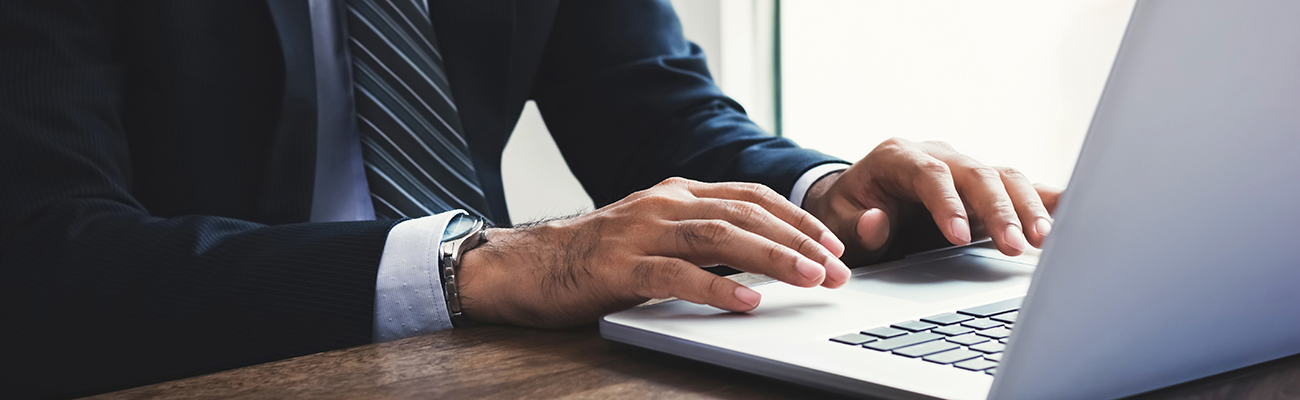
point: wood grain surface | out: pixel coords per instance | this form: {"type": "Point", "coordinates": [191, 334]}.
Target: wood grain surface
{"type": "Point", "coordinates": [510, 362]}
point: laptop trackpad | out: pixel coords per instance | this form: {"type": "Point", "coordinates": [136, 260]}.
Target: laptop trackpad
{"type": "Point", "coordinates": [943, 279]}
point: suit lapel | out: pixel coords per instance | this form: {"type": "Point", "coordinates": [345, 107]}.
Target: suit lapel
{"type": "Point", "coordinates": [532, 28]}
{"type": "Point", "coordinates": [287, 189]}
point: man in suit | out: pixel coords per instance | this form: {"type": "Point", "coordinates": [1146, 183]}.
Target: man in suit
{"type": "Point", "coordinates": [201, 185]}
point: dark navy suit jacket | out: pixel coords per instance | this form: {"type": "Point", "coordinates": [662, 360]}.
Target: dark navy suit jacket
{"type": "Point", "coordinates": [157, 161]}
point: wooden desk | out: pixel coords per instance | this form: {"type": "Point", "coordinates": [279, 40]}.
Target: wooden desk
{"type": "Point", "coordinates": [510, 362]}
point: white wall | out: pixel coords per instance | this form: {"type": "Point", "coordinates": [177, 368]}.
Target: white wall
{"type": "Point", "coordinates": [537, 182]}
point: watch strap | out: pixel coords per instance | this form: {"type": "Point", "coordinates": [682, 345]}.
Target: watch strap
{"type": "Point", "coordinates": [449, 267]}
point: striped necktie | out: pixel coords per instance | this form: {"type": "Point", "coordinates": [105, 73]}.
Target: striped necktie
{"type": "Point", "coordinates": [417, 160]}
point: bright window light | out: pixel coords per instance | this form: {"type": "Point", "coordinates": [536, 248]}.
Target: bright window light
{"type": "Point", "coordinates": [1009, 82]}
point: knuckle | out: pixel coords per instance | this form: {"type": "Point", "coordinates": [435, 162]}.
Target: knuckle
{"type": "Point", "coordinates": [670, 274]}
{"type": "Point", "coordinates": [1036, 205]}
{"type": "Point", "coordinates": [775, 252]}
{"type": "Point", "coordinates": [715, 286]}
{"type": "Point", "coordinates": [642, 273]}
{"type": "Point", "coordinates": [1012, 173]}
{"type": "Point", "coordinates": [1005, 205]}
{"type": "Point", "coordinates": [985, 172]}
{"type": "Point", "coordinates": [649, 278]}
{"type": "Point", "coordinates": [1005, 209]}
{"type": "Point", "coordinates": [757, 191]}
{"type": "Point", "coordinates": [804, 222]}
{"type": "Point", "coordinates": [716, 230]}
{"type": "Point", "coordinates": [891, 145]}
{"type": "Point", "coordinates": [708, 232]}
{"type": "Point", "coordinates": [932, 166]}
{"type": "Point", "coordinates": [804, 245]}
{"type": "Point", "coordinates": [746, 212]}
{"type": "Point", "coordinates": [674, 181]}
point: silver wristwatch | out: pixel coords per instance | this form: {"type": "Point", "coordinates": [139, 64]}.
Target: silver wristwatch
{"type": "Point", "coordinates": [463, 233]}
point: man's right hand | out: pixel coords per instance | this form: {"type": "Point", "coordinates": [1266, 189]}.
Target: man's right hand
{"type": "Point", "coordinates": [648, 245]}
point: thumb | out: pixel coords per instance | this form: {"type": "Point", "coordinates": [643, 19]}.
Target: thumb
{"type": "Point", "coordinates": [872, 229]}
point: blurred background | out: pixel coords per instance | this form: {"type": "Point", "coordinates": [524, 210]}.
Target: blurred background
{"type": "Point", "coordinates": [1009, 82]}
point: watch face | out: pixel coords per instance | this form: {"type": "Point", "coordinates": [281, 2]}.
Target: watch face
{"type": "Point", "coordinates": [459, 226]}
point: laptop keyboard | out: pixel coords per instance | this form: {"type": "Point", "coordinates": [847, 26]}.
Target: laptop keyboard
{"type": "Point", "coordinates": [970, 339]}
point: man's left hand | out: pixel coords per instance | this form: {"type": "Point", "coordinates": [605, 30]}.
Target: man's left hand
{"type": "Point", "coordinates": [965, 198]}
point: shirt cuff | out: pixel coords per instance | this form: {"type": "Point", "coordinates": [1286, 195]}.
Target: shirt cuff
{"type": "Point", "coordinates": [408, 294]}
{"type": "Point", "coordinates": [806, 181]}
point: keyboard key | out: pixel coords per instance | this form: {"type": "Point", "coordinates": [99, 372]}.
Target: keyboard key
{"type": "Point", "coordinates": [952, 330]}
{"type": "Point", "coordinates": [951, 356]}
{"type": "Point", "coordinates": [853, 338]}
{"type": "Point", "coordinates": [978, 364]}
{"type": "Point", "coordinates": [989, 310]}
{"type": "Point", "coordinates": [925, 349]}
{"type": "Point", "coordinates": [1003, 341]}
{"type": "Point", "coordinates": [885, 332]}
{"type": "Point", "coordinates": [1009, 318]}
{"type": "Point", "coordinates": [914, 326]}
{"type": "Point", "coordinates": [903, 341]}
{"type": "Point", "coordinates": [989, 347]}
{"type": "Point", "coordinates": [996, 333]}
{"type": "Point", "coordinates": [968, 339]}
{"type": "Point", "coordinates": [947, 318]}
{"type": "Point", "coordinates": [991, 371]}
{"type": "Point", "coordinates": [982, 324]}
{"type": "Point", "coordinates": [994, 357]}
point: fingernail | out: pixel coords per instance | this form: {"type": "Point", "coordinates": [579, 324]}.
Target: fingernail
{"type": "Point", "coordinates": [1043, 226]}
{"type": "Point", "coordinates": [809, 269]}
{"type": "Point", "coordinates": [832, 261]}
{"type": "Point", "coordinates": [873, 228]}
{"type": "Point", "coordinates": [747, 296]}
{"type": "Point", "coordinates": [1015, 238]}
{"type": "Point", "coordinates": [831, 243]}
{"type": "Point", "coordinates": [836, 265]}
{"type": "Point", "coordinates": [961, 230]}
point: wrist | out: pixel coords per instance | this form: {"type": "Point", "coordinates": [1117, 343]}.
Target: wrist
{"type": "Point", "coordinates": [507, 278]}
{"type": "Point", "coordinates": [815, 200]}
{"type": "Point", "coordinates": [484, 280]}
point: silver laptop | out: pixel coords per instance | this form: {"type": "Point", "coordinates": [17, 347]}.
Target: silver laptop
{"type": "Point", "coordinates": [1174, 255]}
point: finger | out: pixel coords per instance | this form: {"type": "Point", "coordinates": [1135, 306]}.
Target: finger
{"type": "Point", "coordinates": [872, 228]}
{"type": "Point", "coordinates": [709, 242]}
{"type": "Point", "coordinates": [982, 187]}
{"type": "Point", "coordinates": [1051, 196]}
{"type": "Point", "coordinates": [779, 206]}
{"type": "Point", "coordinates": [932, 181]}
{"type": "Point", "coordinates": [754, 218]}
{"type": "Point", "coordinates": [1029, 207]}
{"type": "Point", "coordinates": [662, 277]}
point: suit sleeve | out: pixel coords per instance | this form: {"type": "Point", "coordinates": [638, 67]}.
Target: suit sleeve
{"type": "Point", "coordinates": [96, 293]}
{"type": "Point", "coordinates": [630, 102]}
